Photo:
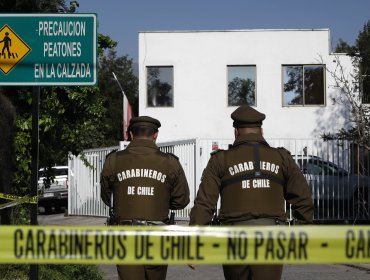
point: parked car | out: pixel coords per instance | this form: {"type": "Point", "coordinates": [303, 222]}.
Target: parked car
{"type": "Point", "coordinates": [53, 187]}
{"type": "Point", "coordinates": [337, 194]}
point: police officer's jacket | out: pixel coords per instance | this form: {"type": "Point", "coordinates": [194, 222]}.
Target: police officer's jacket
{"type": "Point", "coordinates": [252, 179]}
{"type": "Point", "coordinates": [146, 182]}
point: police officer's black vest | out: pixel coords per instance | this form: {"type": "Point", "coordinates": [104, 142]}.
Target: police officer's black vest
{"type": "Point", "coordinates": [128, 202]}
{"type": "Point", "coordinates": [253, 201]}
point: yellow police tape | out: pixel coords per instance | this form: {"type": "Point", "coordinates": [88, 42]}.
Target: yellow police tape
{"type": "Point", "coordinates": [15, 200]}
{"type": "Point", "coordinates": [184, 245]}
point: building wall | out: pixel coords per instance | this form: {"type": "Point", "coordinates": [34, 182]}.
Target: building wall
{"type": "Point", "coordinates": [200, 60]}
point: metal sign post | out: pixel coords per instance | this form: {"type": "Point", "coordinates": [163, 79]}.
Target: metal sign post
{"type": "Point", "coordinates": [33, 274]}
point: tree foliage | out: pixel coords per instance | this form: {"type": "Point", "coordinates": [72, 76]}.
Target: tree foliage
{"type": "Point", "coordinates": [363, 45]}
{"type": "Point", "coordinates": [343, 47]}
{"type": "Point", "coordinates": [105, 43]}
{"type": "Point", "coordinates": [111, 93]}
{"type": "Point", "coordinates": [7, 127]}
{"type": "Point", "coordinates": [355, 88]}
{"type": "Point", "coordinates": [34, 6]}
{"type": "Point", "coordinates": [71, 118]}
{"type": "Point", "coordinates": [68, 121]}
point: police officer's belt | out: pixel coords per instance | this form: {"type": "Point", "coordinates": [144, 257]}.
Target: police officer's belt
{"type": "Point", "coordinates": [256, 221]}
{"type": "Point", "coordinates": [137, 222]}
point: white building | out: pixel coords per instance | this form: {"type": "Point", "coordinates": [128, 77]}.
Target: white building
{"type": "Point", "coordinates": [192, 81]}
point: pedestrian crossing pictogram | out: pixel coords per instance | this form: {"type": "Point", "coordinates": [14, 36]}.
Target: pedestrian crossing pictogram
{"type": "Point", "coordinates": [12, 49]}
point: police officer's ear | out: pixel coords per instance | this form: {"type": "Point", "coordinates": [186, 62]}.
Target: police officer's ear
{"type": "Point", "coordinates": [155, 135]}
{"type": "Point", "coordinates": [236, 132]}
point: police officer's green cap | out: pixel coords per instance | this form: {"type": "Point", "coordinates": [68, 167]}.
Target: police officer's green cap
{"type": "Point", "coordinates": [246, 116]}
{"type": "Point", "coordinates": [145, 121]}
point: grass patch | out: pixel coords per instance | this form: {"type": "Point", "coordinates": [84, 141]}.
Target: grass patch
{"type": "Point", "coordinates": [51, 272]}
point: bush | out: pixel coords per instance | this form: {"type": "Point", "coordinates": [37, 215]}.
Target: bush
{"type": "Point", "coordinates": [13, 272]}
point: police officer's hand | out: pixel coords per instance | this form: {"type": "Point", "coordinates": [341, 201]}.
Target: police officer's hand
{"type": "Point", "coordinates": [191, 266]}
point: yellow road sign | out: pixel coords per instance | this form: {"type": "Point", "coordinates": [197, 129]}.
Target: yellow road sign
{"type": "Point", "coordinates": [12, 49]}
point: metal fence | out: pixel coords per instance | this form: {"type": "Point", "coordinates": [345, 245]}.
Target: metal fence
{"type": "Point", "coordinates": [84, 187]}
{"type": "Point", "coordinates": [336, 171]}
{"type": "Point", "coordinates": [186, 152]}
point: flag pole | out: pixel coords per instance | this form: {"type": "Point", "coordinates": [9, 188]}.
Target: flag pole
{"type": "Point", "coordinates": [119, 84]}
{"type": "Point", "coordinates": [124, 105]}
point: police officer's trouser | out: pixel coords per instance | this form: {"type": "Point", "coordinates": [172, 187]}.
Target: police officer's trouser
{"type": "Point", "coordinates": [253, 272]}
{"type": "Point", "coordinates": [141, 272]}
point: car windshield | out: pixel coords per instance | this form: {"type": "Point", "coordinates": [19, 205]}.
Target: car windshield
{"type": "Point", "coordinates": [54, 172]}
{"type": "Point", "coordinates": [316, 166]}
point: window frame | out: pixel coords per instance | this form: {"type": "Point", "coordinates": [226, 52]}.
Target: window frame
{"type": "Point", "coordinates": [147, 88]}
{"type": "Point", "coordinates": [303, 73]}
{"type": "Point", "coordinates": [227, 83]}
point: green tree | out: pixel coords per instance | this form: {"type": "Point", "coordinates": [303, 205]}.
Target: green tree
{"type": "Point", "coordinates": [33, 6]}
{"type": "Point", "coordinates": [71, 119]}
{"type": "Point", "coordinates": [7, 127]}
{"type": "Point", "coordinates": [343, 47]}
{"type": "Point", "coordinates": [363, 46]}
{"type": "Point", "coordinates": [355, 88]}
{"type": "Point", "coordinates": [355, 93]}
{"type": "Point", "coordinates": [105, 43]}
{"type": "Point", "coordinates": [122, 66]}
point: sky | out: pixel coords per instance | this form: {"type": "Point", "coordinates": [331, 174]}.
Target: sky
{"type": "Point", "coordinates": [123, 19]}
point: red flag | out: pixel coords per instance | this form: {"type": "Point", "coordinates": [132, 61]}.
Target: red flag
{"type": "Point", "coordinates": [127, 115]}
{"type": "Point", "coordinates": [127, 111]}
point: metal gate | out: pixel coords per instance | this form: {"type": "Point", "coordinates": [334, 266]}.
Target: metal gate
{"type": "Point", "coordinates": [186, 152]}
{"type": "Point", "coordinates": [84, 187]}
{"type": "Point", "coordinates": [337, 172]}
{"type": "Point", "coordinates": [84, 177]}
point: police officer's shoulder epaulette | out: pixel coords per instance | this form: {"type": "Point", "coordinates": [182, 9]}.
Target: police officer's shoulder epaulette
{"type": "Point", "coordinates": [216, 152]}
{"type": "Point", "coordinates": [171, 154]}
{"type": "Point", "coordinates": [283, 149]}
{"type": "Point", "coordinates": [110, 153]}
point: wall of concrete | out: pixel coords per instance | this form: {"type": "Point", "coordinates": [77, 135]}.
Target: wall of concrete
{"type": "Point", "coordinates": [200, 60]}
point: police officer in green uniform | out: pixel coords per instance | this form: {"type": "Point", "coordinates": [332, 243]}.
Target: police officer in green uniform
{"type": "Point", "coordinates": [252, 179]}
{"type": "Point", "coordinates": [145, 183]}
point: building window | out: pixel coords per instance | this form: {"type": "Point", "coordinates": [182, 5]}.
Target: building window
{"type": "Point", "coordinates": [160, 86]}
{"type": "Point", "coordinates": [303, 85]}
{"type": "Point", "coordinates": [241, 85]}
